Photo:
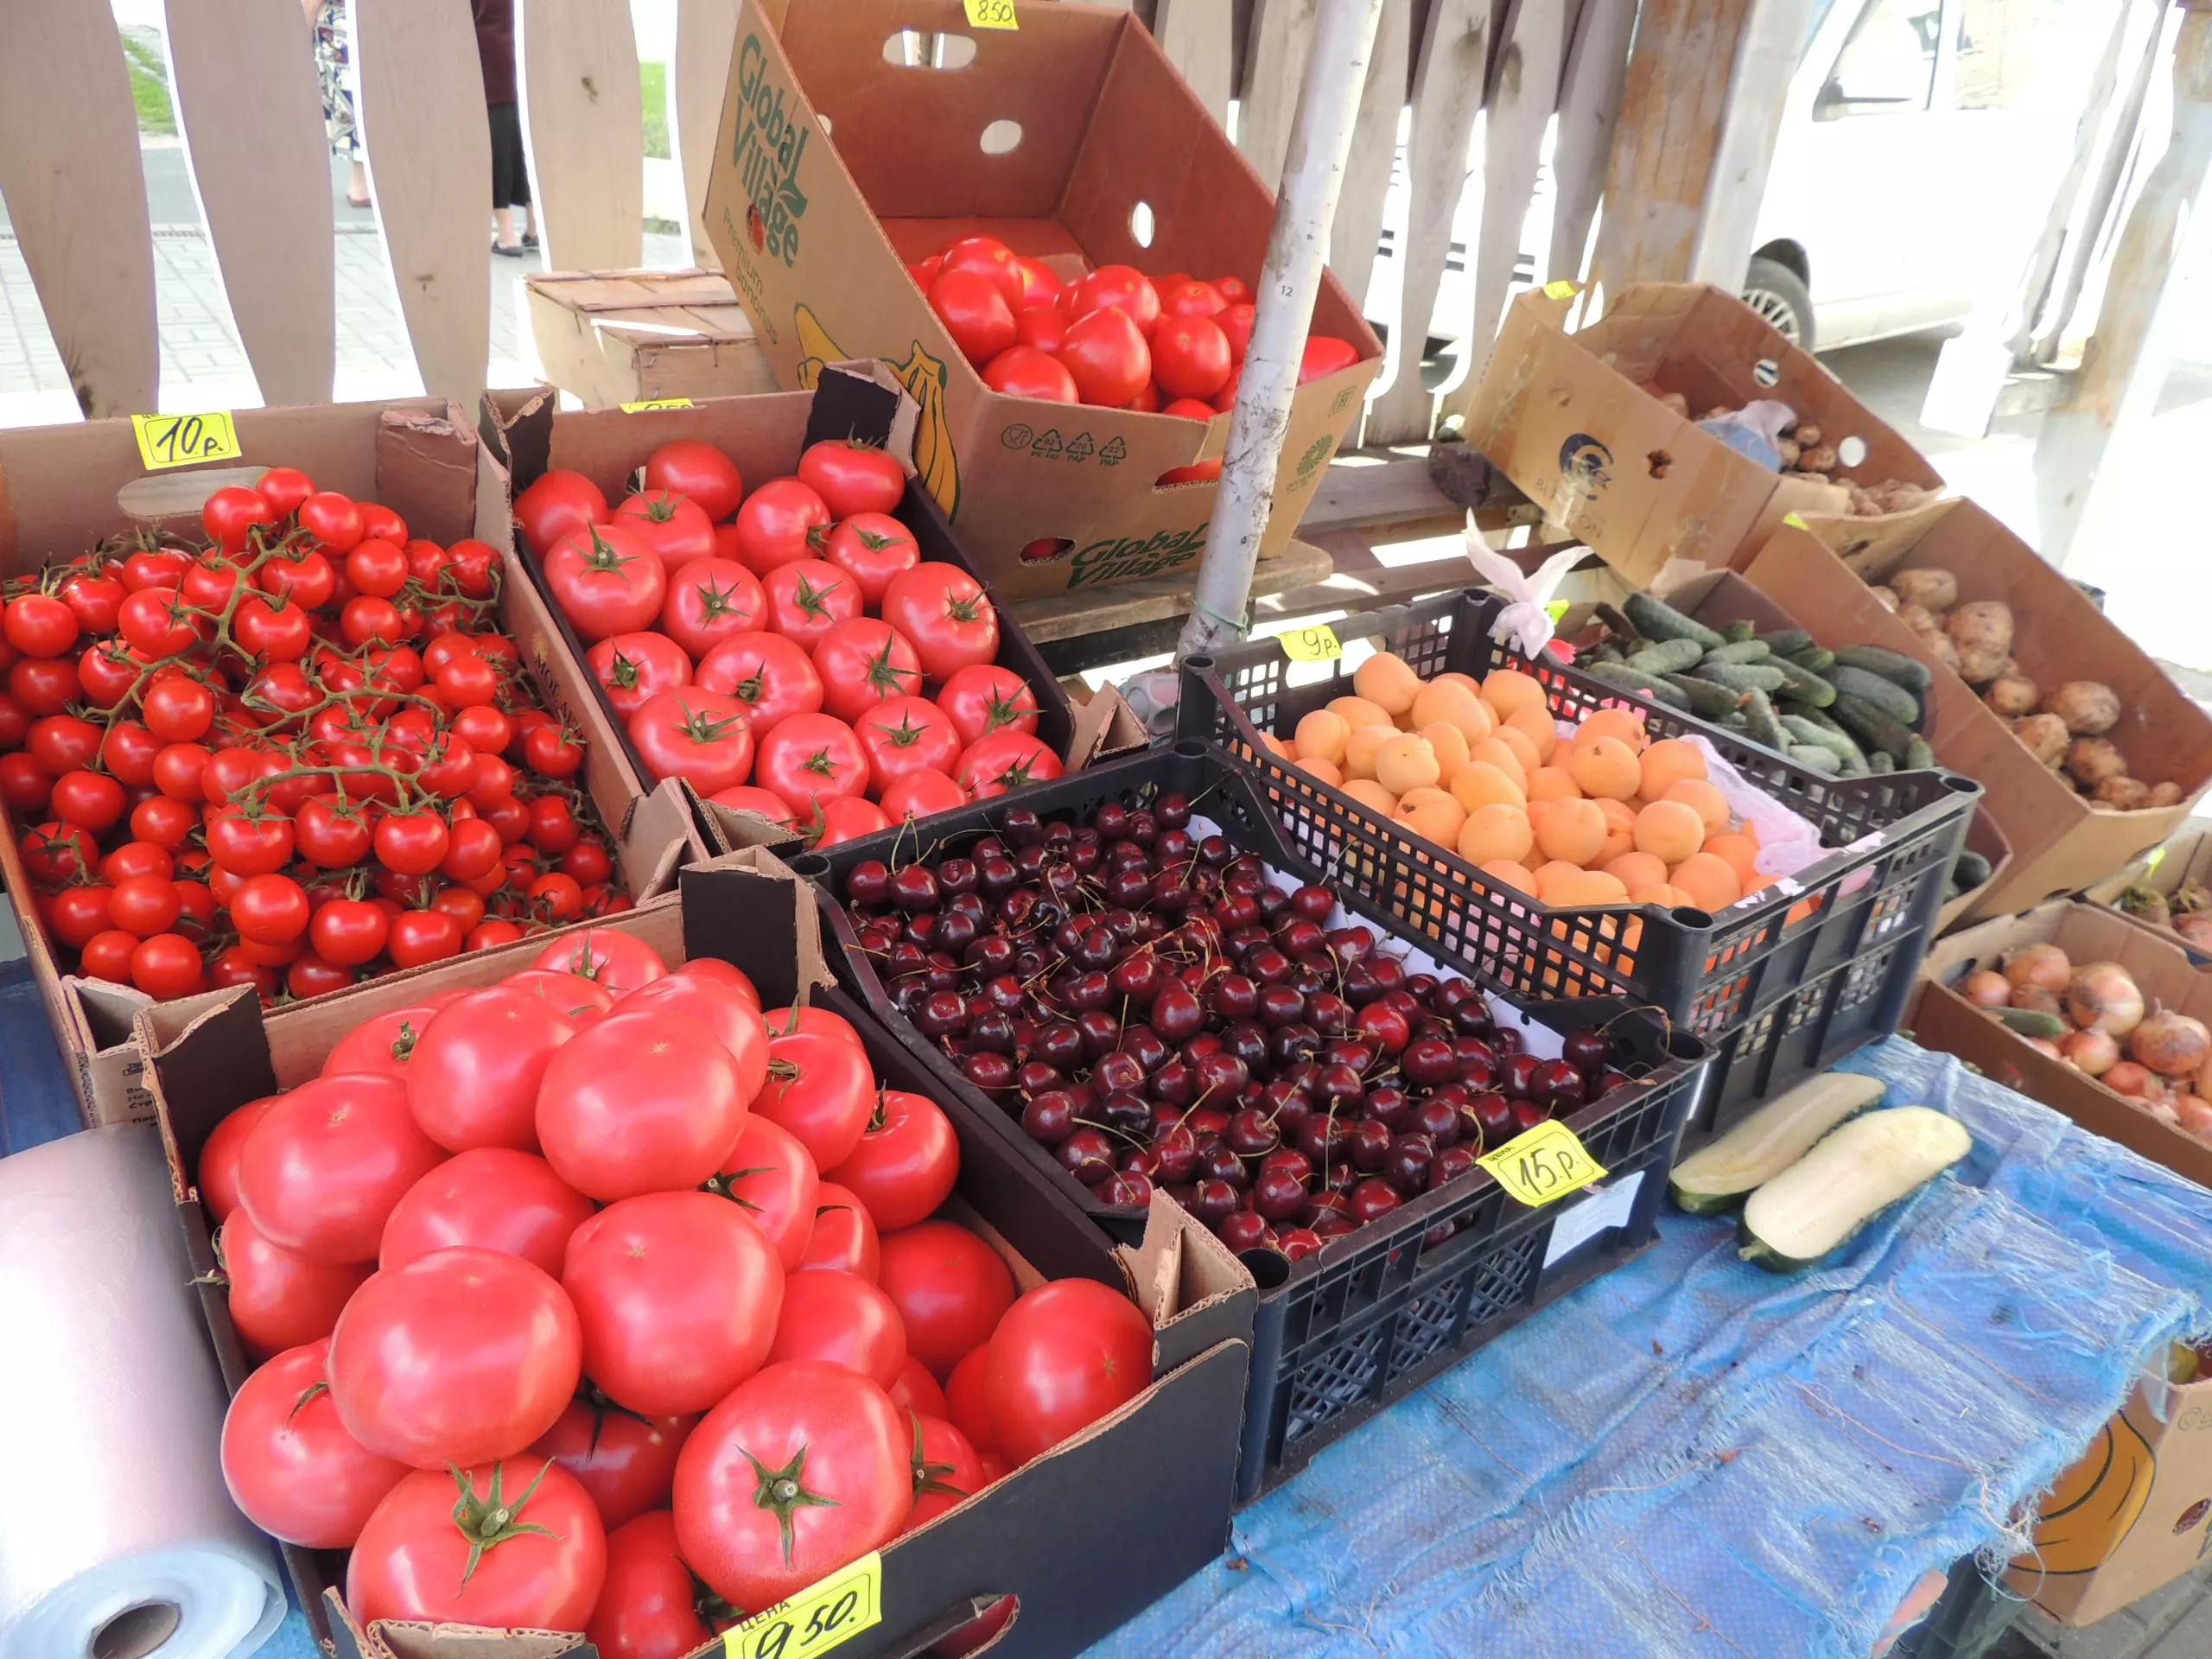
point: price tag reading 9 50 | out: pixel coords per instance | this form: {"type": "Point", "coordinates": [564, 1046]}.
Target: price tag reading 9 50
{"type": "Point", "coordinates": [185, 440]}
{"type": "Point", "coordinates": [1542, 1164]}
{"type": "Point", "coordinates": [989, 14]}
{"type": "Point", "coordinates": [1317, 644]}
{"type": "Point", "coordinates": [650, 403]}
{"type": "Point", "coordinates": [822, 1616]}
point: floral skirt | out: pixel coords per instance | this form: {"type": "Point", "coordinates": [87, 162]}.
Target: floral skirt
{"type": "Point", "coordinates": [333, 63]}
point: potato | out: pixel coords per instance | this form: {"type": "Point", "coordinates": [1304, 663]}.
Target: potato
{"type": "Point", "coordinates": [1886, 596]}
{"type": "Point", "coordinates": [1807, 434]}
{"type": "Point", "coordinates": [1787, 449]}
{"type": "Point", "coordinates": [2164, 795]}
{"type": "Point", "coordinates": [1675, 404]}
{"type": "Point", "coordinates": [2123, 794]}
{"type": "Point", "coordinates": [1919, 617]}
{"type": "Point", "coordinates": [1946, 652]}
{"type": "Point", "coordinates": [1938, 590]}
{"type": "Point", "coordinates": [1982, 630]}
{"type": "Point", "coordinates": [2011, 695]}
{"type": "Point", "coordinates": [1817, 457]}
{"type": "Point", "coordinates": [2091, 761]}
{"type": "Point", "coordinates": [2089, 708]}
{"type": "Point", "coordinates": [2045, 736]}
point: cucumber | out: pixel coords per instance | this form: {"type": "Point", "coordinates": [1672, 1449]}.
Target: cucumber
{"type": "Point", "coordinates": [1910, 672]}
{"type": "Point", "coordinates": [1802, 730]}
{"type": "Point", "coordinates": [1759, 721]}
{"type": "Point", "coordinates": [1970, 869]}
{"type": "Point", "coordinates": [1707, 699]}
{"type": "Point", "coordinates": [1720, 1175]}
{"type": "Point", "coordinates": [1887, 696]}
{"type": "Point", "coordinates": [1801, 685]}
{"type": "Point", "coordinates": [1815, 1205]}
{"type": "Point", "coordinates": [1787, 642]}
{"type": "Point", "coordinates": [2032, 1022]}
{"type": "Point", "coordinates": [1622, 678]}
{"type": "Point", "coordinates": [1818, 660]}
{"type": "Point", "coordinates": [1872, 728]}
{"type": "Point", "coordinates": [1604, 652]}
{"type": "Point", "coordinates": [1658, 621]}
{"type": "Point", "coordinates": [1881, 763]}
{"type": "Point", "coordinates": [1667, 656]}
{"type": "Point", "coordinates": [1740, 677]}
{"type": "Point", "coordinates": [1818, 759]}
{"type": "Point", "coordinates": [1918, 756]}
{"type": "Point", "coordinates": [1738, 633]}
{"type": "Point", "coordinates": [1741, 650]}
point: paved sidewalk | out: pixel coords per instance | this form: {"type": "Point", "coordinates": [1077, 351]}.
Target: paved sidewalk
{"type": "Point", "coordinates": [2174, 1623]}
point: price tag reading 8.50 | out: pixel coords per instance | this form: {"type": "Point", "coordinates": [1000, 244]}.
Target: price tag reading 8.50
{"type": "Point", "coordinates": [185, 440]}
{"type": "Point", "coordinates": [822, 1616]}
{"type": "Point", "coordinates": [1542, 1164]}
{"type": "Point", "coordinates": [989, 14]}
{"type": "Point", "coordinates": [1317, 644]}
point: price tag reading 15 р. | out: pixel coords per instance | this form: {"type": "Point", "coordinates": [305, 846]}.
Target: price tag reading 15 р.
{"type": "Point", "coordinates": [1544, 1164]}
{"type": "Point", "coordinates": [989, 14]}
{"type": "Point", "coordinates": [824, 1616]}
{"type": "Point", "coordinates": [1315, 644]}
{"type": "Point", "coordinates": [184, 440]}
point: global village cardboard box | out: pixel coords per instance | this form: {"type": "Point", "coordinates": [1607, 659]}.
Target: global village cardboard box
{"type": "Point", "coordinates": [1565, 417]}
{"type": "Point", "coordinates": [838, 163]}
{"type": "Point", "coordinates": [65, 488]}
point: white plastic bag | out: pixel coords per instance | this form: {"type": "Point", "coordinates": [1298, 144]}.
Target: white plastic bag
{"type": "Point", "coordinates": [1754, 430]}
{"type": "Point", "coordinates": [1524, 620]}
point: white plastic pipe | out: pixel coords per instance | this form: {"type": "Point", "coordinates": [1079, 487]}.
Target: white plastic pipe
{"type": "Point", "coordinates": [1313, 174]}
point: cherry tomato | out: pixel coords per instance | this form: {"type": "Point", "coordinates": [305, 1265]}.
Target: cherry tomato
{"type": "Point", "coordinates": [348, 931]}
{"type": "Point", "coordinates": [976, 314]}
{"type": "Point", "coordinates": [607, 579]}
{"type": "Point", "coordinates": [25, 785]}
{"type": "Point", "coordinates": [162, 566]}
{"type": "Point", "coordinates": [523, 1547]}
{"type": "Point", "coordinates": [382, 522]}
{"type": "Point", "coordinates": [91, 800]}
{"type": "Point", "coordinates": [626, 1463]}
{"type": "Point", "coordinates": [946, 614]}
{"type": "Point", "coordinates": [773, 677]}
{"type": "Point", "coordinates": [844, 1319]}
{"type": "Point", "coordinates": [672, 524]}
{"type": "Point", "coordinates": [1064, 1355]}
{"type": "Point", "coordinates": [81, 915]}
{"type": "Point", "coordinates": [138, 858]}
{"type": "Point", "coordinates": [330, 835]}
{"type": "Point", "coordinates": [323, 1168]}
{"type": "Point", "coordinates": [421, 936]}
{"type": "Point", "coordinates": [290, 1465]}
{"type": "Point", "coordinates": [270, 910]}
{"type": "Point", "coordinates": [414, 843]}
{"type": "Point", "coordinates": [495, 1199]}
{"type": "Point", "coordinates": [144, 905]}
{"type": "Point", "coordinates": [56, 852]}
{"type": "Point", "coordinates": [1004, 760]}
{"type": "Point", "coordinates": [94, 599]}
{"type": "Point", "coordinates": [304, 576]}
{"type": "Point", "coordinates": [646, 1610]}
{"type": "Point", "coordinates": [558, 503]}
{"type": "Point", "coordinates": [247, 840]}
{"type": "Point", "coordinates": [1024, 371]}
{"type": "Point", "coordinates": [163, 822]}
{"type": "Point", "coordinates": [277, 1299]}
{"type": "Point", "coordinates": [333, 519]}
{"type": "Point", "coordinates": [693, 467]}
{"type": "Point", "coordinates": [310, 976]}
{"type": "Point", "coordinates": [39, 625]}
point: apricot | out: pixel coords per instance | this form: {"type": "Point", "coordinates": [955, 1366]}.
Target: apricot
{"type": "Point", "coordinates": [1710, 804]}
{"type": "Point", "coordinates": [1707, 878]}
{"type": "Point", "coordinates": [1523, 746]}
{"type": "Point", "coordinates": [1326, 771]}
{"type": "Point", "coordinates": [1499, 831]}
{"type": "Point", "coordinates": [1669, 760]}
{"type": "Point", "coordinates": [1360, 749]}
{"type": "Point", "coordinates": [1449, 744]}
{"type": "Point", "coordinates": [1321, 735]}
{"type": "Point", "coordinates": [1550, 784]}
{"type": "Point", "coordinates": [1661, 893]}
{"type": "Point", "coordinates": [1452, 702]}
{"type": "Point", "coordinates": [1741, 852]}
{"type": "Point", "coordinates": [1387, 681]}
{"type": "Point", "coordinates": [1406, 762]}
{"type": "Point", "coordinates": [1624, 723]}
{"type": "Point", "coordinates": [1606, 766]}
{"type": "Point", "coordinates": [1371, 795]}
{"type": "Point", "coordinates": [1669, 831]}
{"type": "Point", "coordinates": [1620, 830]}
{"type": "Point", "coordinates": [1431, 813]}
{"type": "Point", "coordinates": [1579, 887]}
{"type": "Point", "coordinates": [1511, 872]}
{"type": "Point", "coordinates": [1452, 676]}
{"type": "Point", "coordinates": [1538, 726]}
{"type": "Point", "coordinates": [1358, 712]}
{"type": "Point", "coordinates": [1508, 689]}
{"type": "Point", "coordinates": [1500, 755]}
{"type": "Point", "coordinates": [1637, 870]}
{"type": "Point", "coordinates": [1478, 784]}
{"type": "Point", "coordinates": [1573, 830]}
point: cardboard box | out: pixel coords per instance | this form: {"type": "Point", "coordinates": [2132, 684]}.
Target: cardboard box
{"type": "Point", "coordinates": [1941, 1018]}
{"type": "Point", "coordinates": [615, 337]}
{"type": "Point", "coordinates": [2166, 869]}
{"type": "Point", "coordinates": [63, 488]}
{"type": "Point", "coordinates": [1566, 418]}
{"type": "Point", "coordinates": [837, 163]}
{"type": "Point", "coordinates": [2061, 842]}
{"type": "Point", "coordinates": [1148, 1487]}
{"type": "Point", "coordinates": [2134, 1513]}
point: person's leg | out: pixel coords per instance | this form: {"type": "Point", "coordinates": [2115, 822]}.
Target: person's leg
{"type": "Point", "coordinates": [504, 220]}
{"type": "Point", "coordinates": [357, 185]}
{"type": "Point", "coordinates": [506, 167]}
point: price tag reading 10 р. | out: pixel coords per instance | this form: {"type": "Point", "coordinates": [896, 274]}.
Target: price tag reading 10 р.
{"type": "Point", "coordinates": [990, 14]}
{"type": "Point", "coordinates": [822, 1616]}
{"type": "Point", "coordinates": [1546, 1163]}
{"type": "Point", "coordinates": [1315, 644]}
{"type": "Point", "coordinates": [183, 440]}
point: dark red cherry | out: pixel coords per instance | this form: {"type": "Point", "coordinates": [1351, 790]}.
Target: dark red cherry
{"type": "Point", "coordinates": [1088, 1155]}
{"type": "Point", "coordinates": [1049, 1117]}
{"type": "Point", "coordinates": [1406, 1165]}
{"type": "Point", "coordinates": [1243, 1229]}
{"type": "Point", "coordinates": [1278, 1194]}
{"type": "Point", "coordinates": [1368, 1145]}
{"type": "Point", "coordinates": [1517, 1076]}
{"type": "Point", "coordinates": [1372, 1199]}
{"type": "Point", "coordinates": [869, 882]}
{"type": "Point", "coordinates": [1428, 1061]}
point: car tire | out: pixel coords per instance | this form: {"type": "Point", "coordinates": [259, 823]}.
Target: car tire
{"type": "Point", "coordinates": [1781, 298]}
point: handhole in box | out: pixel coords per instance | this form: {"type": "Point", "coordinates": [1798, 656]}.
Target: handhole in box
{"type": "Point", "coordinates": [1001, 136]}
{"type": "Point", "coordinates": [915, 48]}
{"type": "Point", "coordinates": [1047, 548]}
{"type": "Point", "coordinates": [1851, 450]}
{"type": "Point", "coordinates": [1141, 224]}
{"type": "Point", "coordinates": [1766, 371]}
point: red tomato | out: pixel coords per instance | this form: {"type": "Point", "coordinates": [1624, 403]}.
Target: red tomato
{"type": "Point", "coordinates": [773, 677]}
{"type": "Point", "coordinates": [56, 852]}
{"type": "Point", "coordinates": [167, 965]}
{"type": "Point", "coordinates": [1040, 285]}
{"type": "Point", "coordinates": [1041, 326]}
{"type": "Point", "coordinates": [848, 817]}
{"type": "Point", "coordinates": [809, 758]}
{"type": "Point", "coordinates": [732, 1014]}
{"type": "Point", "coordinates": [80, 914]}
{"type": "Point", "coordinates": [303, 575]}
{"type": "Point", "coordinates": [648, 1101]}
{"type": "Point", "coordinates": [806, 597]}
{"type": "Point", "coordinates": [916, 1390]}
{"type": "Point", "coordinates": [613, 962]}
{"type": "Point", "coordinates": [845, 1237]}
{"type": "Point", "coordinates": [705, 737]}
{"type": "Point", "coordinates": [46, 685]}
{"type": "Point", "coordinates": [646, 1610]}
{"type": "Point", "coordinates": [990, 258]}
{"type": "Point", "coordinates": [218, 1176]}
{"type": "Point", "coordinates": [310, 976]}
{"type": "Point", "coordinates": [348, 931]}
{"type": "Point", "coordinates": [1004, 760]}
{"type": "Point", "coordinates": [323, 1168]}
{"type": "Point", "coordinates": [474, 1077]}
{"type": "Point", "coordinates": [270, 910]}
{"type": "Point", "coordinates": [945, 1469]}
{"type": "Point", "coordinates": [552, 751]}
{"type": "Point", "coordinates": [39, 625]}
{"type": "Point", "coordinates": [1325, 354]}
{"type": "Point", "coordinates": [947, 616]}
{"type": "Point", "coordinates": [461, 1355]}
{"type": "Point", "coordinates": [950, 1289]}
{"type": "Point", "coordinates": [377, 568]}
{"type": "Point", "coordinates": [607, 579]}
{"type": "Point", "coordinates": [919, 793]}
{"type": "Point", "coordinates": [1190, 298]}
{"type": "Point", "coordinates": [1235, 322]}
{"type": "Point", "coordinates": [864, 662]}
{"type": "Point", "coordinates": [413, 843]}
{"type": "Point", "coordinates": [964, 1402]}
{"type": "Point", "coordinates": [1198, 472]}
{"type": "Point", "coordinates": [492, 1197]}
{"type": "Point", "coordinates": [694, 467]}
{"type": "Point", "coordinates": [25, 785]}
{"type": "Point", "coordinates": [382, 1044]}
{"type": "Point", "coordinates": [1190, 356]}
{"type": "Point", "coordinates": [156, 622]}
{"type": "Point", "coordinates": [277, 1299]}
{"type": "Point", "coordinates": [1064, 1355]}
{"type": "Point", "coordinates": [632, 668]}
{"type": "Point", "coordinates": [91, 800]}
{"type": "Point", "coordinates": [870, 548]}
{"type": "Point", "coordinates": [770, 1175]}
{"type": "Point", "coordinates": [158, 566]}
{"type": "Point", "coordinates": [905, 735]}
{"type": "Point", "coordinates": [1106, 354]}
{"type": "Point", "coordinates": [1122, 287]}
{"type": "Point", "coordinates": [93, 599]}
{"type": "Point", "coordinates": [750, 797]}
{"type": "Point", "coordinates": [523, 1547]}
{"type": "Point", "coordinates": [777, 522]}
{"type": "Point", "coordinates": [559, 504]}
{"type": "Point", "coordinates": [1235, 289]}
{"type": "Point", "coordinates": [976, 312]}
{"type": "Point", "coordinates": [331, 519]}
{"type": "Point", "coordinates": [906, 1163]}
{"type": "Point", "coordinates": [626, 1463]}
{"type": "Point", "coordinates": [290, 1465]}
{"type": "Point", "coordinates": [677, 1293]}
{"type": "Point", "coordinates": [708, 600]}
{"type": "Point", "coordinates": [674, 527]}
{"type": "Point", "coordinates": [276, 630]}
{"type": "Point", "coordinates": [853, 477]}
{"type": "Point", "coordinates": [1024, 371]}
{"type": "Point", "coordinates": [801, 1470]}
{"type": "Point", "coordinates": [332, 835]}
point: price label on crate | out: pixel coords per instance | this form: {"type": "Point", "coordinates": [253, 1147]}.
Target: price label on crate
{"type": "Point", "coordinates": [1558, 290]}
{"type": "Point", "coordinates": [1543, 1165]}
{"type": "Point", "coordinates": [2157, 857]}
{"type": "Point", "coordinates": [656, 402]}
{"type": "Point", "coordinates": [185, 440]}
{"type": "Point", "coordinates": [989, 14]}
{"type": "Point", "coordinates": [1795, 522]}
{"type": "Point", "coordinates": [826, 1615]}
{"type": "Point", "coordinates": [1317, 644]}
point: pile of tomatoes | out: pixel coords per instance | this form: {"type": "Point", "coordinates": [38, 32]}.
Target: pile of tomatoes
{"type": "Point", "coordinates": [571, 1289]}
{"type": "Point", "coordinates": [1171, 345]}
{"type": "Point", "coordinates": [788, 651]}
{"type": "Point", "coordinates": [296, 756]}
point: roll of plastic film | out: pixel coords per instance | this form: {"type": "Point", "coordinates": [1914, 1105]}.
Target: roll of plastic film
{"type": "Point", "coordinates": [117, 1540]}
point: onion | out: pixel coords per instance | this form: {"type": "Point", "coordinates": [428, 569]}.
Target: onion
{"type": "Point", "coordinates": [2093, 1051]}
{"type": "Point", "coordinates": [1985, 989]}
{"type": "Point", "coordinates": [2196, 1113]}
{"type": "Point", "coordinates": [2128, 1078]}
{"type": "Point", "coordinates": [2038, 965]}
{"type": "Point", "coordinates": [2105, 995]}
{"type": "Point", "coordinates": [2037, 998]}
{"type": "Point", "coordinates": [2164, 1111]}
{"type": "Point", "coordinates": [2173, 1045]}
{"type": "Point", "coordinates": [2043, 1045]}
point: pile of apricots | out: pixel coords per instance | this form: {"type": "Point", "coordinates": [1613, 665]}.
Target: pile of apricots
{"type": "Point", "coordinates": [1603, 816]}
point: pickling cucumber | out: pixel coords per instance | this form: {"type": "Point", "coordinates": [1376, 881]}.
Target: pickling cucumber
{"type": "Point", "coordinates": [1719, 1176]}
{"type": "Point", "coordinates": [2032, 1022]}
{"type": "Point", "coordinates": [1740, 677]}
{"type": "Point", "coordinates": [1628, 679]}
{"type": "Point", "coordinates": [1895, 666]}
{"type": "Point", "coordinates": [1872, 728]}
{"type": "Point", "coordinates": [1819, 1202]}
{"type": "Point", "coordinates": [1655, 620]}
{"type": "Point", "coordinates": [1739, 632]}
{"type": "Point", "coordinates": [1801, 685]}
{"type": "Point", "coordinates": [1818, 659]}
{"type": "Point", "coordinates": [1887, 696]}
{"type": "Point", "coordinates": [1970, 869]}
{"type": "Point", "coordinates": [1787, 642]}
{"type": "Point", "coordinates": [1707, 699]}
{"type": "Point", "coordinates": [1740, 651]}
{"type": "Point", "coordinates": [1759, 721]}
{"type": "Point", "coordinates": [1667, 656]}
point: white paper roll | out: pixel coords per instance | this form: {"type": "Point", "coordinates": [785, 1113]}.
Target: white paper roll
{"type": "Point", "coordinates": [117, 1540]}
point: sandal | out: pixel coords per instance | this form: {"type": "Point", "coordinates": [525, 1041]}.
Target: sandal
{"type": "Point", "coordinates": [505, 251]}
{"type": "Point", "coordinates": [530, 241]}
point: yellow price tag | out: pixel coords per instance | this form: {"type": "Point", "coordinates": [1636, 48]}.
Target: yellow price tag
{"type": "Point", "coordinates": [1795, 522]}
{"type": "Point", "coordinates": [1558, 290]}
{"type": "Point", "coordinates": [1317, 644]}
{"type": "Point", "coordinates": [2157, 857]}
{"type": "Point", "coordinates": [185, 440]}
{"type": "Point", "coordinates": [822, 1616]}
{"type": "Point", "coordinates": [989, 14]}
{"type": "Point", "coordinates": [1543, 1165]}
{"type": "Point", "coordinates": [1558, 608]}
{"type": "Point", "coordinates": [656, 402]}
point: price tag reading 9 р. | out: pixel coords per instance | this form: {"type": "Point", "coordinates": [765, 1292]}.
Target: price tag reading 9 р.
{"type": "Point", "coordinates": [1542, 1164]}
{"type": "Point", "coordinates": [989, 14]}
{"type": "Point", "coordinates": [1317, 644]}
{"type": "Point", "coordinates": [824, 1616]}
{"type": "Point", "coordinates": [185, 440]}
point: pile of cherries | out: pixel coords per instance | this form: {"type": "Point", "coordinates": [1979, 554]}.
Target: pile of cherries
{"type": "Point", "coordinates": [1156, 1011]}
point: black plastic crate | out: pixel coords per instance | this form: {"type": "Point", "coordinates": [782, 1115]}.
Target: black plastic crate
{"type": "Point", "coordinates": [1855, 924]}
{"type": "Point", "coordinates": [1376, 1312]}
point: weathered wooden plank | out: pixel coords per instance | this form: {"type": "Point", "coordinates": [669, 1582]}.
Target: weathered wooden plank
{"type": "Point", "coordinates": [76, 197]}
{"type": "Point", "coordinates": [1773, 39]}
{"type": "Point", "coordinates": [1274, 70]}
{"type": "Point", "coordinates": [251, 114]}
{"type": "Point", "coordinates": [1358, 229]}
{"type": "Point", "coordinates": [1589, 103]}
{"type": "Point", "coordinates": [1448, 82]}
{"type": "Point", "coordinates": [1197, 37]}
{"type": "Point", "coordinates": [706, 36]}
{"type": "Point", "coordinates": [430, 155]}
{"type": "Point", "coordinates": [581, 99]}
